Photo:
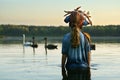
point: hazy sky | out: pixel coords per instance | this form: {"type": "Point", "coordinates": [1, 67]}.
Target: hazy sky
{"type": "Point", "coordinates": [50, 12]}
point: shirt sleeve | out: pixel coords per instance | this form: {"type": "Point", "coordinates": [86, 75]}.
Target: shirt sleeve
{"type": "Point", "coordinates": [64, 46]}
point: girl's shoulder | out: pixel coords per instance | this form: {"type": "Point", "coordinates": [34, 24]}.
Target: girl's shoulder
{"type": "Point", "coordinates": [88, 37]}
{"type": "Point", "coordinates": [66, 37]}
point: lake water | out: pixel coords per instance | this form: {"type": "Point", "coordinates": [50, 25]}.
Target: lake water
{"type": "Point", "coordinates": [14, 65]}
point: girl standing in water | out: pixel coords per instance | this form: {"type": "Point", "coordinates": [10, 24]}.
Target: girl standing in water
{"type": "Point", "coordinates": [75, 50]}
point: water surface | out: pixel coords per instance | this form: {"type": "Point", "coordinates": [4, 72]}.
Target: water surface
{"type": "Point", "coordinates": [14, 65]}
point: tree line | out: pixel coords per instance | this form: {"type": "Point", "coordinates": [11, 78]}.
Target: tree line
{"type": "Point", "coordinates": [18, 30]}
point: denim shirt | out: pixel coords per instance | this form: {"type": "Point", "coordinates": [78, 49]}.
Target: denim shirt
{"type": "Point", "coordinates": [76, 57]}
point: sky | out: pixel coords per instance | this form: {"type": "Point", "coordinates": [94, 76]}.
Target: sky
{"type": "Point", "coordinates": [51, 12]}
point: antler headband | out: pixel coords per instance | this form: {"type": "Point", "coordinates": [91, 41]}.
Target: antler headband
{"type": "Point", "coordinates": [77, 9]}
{"type": "Point", "coordinates": [87, 15]}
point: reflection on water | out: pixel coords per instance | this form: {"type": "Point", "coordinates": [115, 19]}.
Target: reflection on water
{"type": "Point", "coordinates": [15, 65]}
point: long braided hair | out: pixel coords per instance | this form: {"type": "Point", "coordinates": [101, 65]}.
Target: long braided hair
{"type": "Point", "coordinates": [76, 20]}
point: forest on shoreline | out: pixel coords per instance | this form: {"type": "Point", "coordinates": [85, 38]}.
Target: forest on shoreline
{"type": "Point", "coordinates": [14, 33]}
{"type": "Point", "coordinates": [18, 30]}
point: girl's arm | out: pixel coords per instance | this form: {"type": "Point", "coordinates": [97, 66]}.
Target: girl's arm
{"type": "Point", "coordinates": [64, 74]}
{"type": "Point", "coordinates": [89, 58]}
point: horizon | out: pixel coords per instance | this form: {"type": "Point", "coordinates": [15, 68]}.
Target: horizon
{"type": "Point", "coordinates": [50, 13]}
{"type": "Point", "coordinates": [59, 25]}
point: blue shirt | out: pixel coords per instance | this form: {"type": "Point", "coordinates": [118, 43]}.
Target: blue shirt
{"type": "Point", "coordinates": [76, 57]}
